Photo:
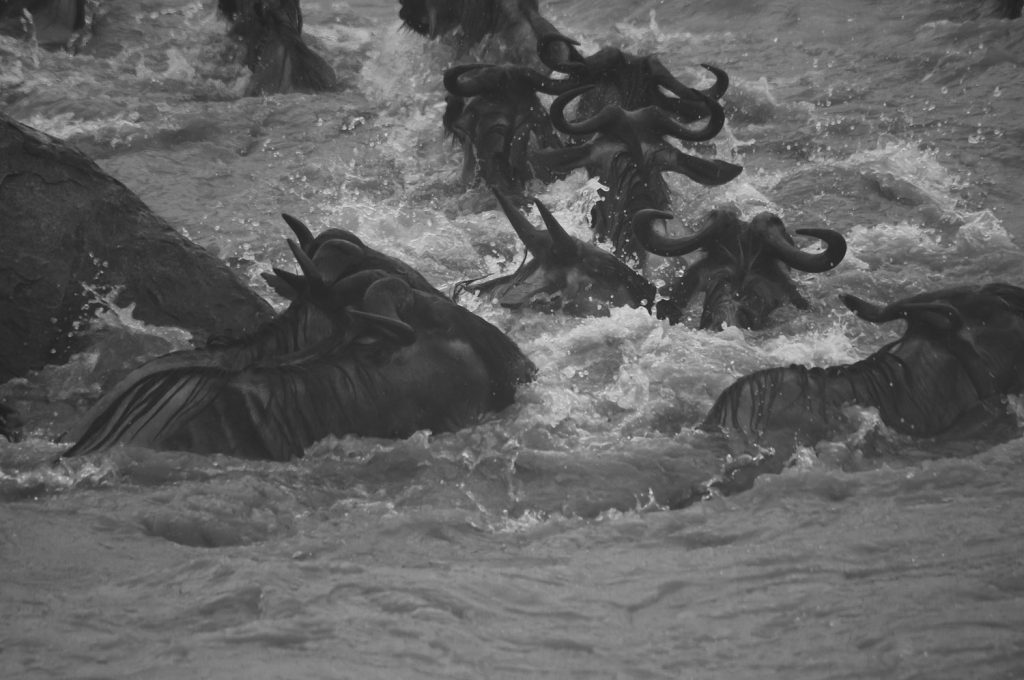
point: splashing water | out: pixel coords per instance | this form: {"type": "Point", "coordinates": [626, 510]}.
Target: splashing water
{"type": "Point", "coordinates": [538, 543]}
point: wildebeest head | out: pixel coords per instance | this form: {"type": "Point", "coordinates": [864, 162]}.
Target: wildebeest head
{"type": "Point", "coordinates": [494, 112]}
{"type": "Point", "coordinates": [744, 272]}
{"type": "Point", "coordinates": [364, 349]}
{"type": "Point", "coordinates": [628, 151]}
{"type": "Point", "coordinates": [562, 272]}
{"type": "Point", "coordinates": [631, 81]}
{"type": "Point", "coordinates": [960, 355]}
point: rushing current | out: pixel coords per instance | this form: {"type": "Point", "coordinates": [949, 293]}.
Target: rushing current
{"type": "Point", "coordinates": [537, 544]}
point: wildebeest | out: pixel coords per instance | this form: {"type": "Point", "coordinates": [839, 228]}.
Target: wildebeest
{"type": "Point", "coordinates": [494, 113]}
{"type": "Point", "coordinates": [562, 273]}
{"type": "Point", "coordinates": [744, 273]}
{"type": "Point", "coordinates": [280, 61]}
{"type": "Point", "coordinates": [947, 377]}
{"type": "Point", "coordinates": [367, 347]}
{"type": "Point", "coordinates": [51, 23]}
{"type": "Point", "coordinates": [628, 152]}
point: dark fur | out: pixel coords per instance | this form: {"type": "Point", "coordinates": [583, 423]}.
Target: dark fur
{"type": "Point", "coordinates": [500, 127]}
{"type": "Point", "coordinates": [275, 52]}
{"type": "Point", "coordinates": [948, 376]}
{"type": "Point", "coordinates": [374, 351]}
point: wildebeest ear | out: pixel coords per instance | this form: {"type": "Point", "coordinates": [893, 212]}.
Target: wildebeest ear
{"type": "Point", "coordinates": [280, 285]}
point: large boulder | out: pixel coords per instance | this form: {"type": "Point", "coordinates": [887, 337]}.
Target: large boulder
{"type": "Point", "coordinates": [67, 227]}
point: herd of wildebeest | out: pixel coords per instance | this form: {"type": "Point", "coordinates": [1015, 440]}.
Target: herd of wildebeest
{"type": "Point", "coordinates": [369, 347]}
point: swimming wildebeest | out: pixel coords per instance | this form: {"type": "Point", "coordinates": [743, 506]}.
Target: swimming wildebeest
{"type": "Point", "coordinates": [367, 347]}
{"type": "Point", "coordinates": [948, 376]}
{"type": "Point", "coordinates": [744, 274]}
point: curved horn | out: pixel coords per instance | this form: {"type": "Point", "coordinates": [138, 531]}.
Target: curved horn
{"type": "Point", "coordinates": [788, 253]}
{"type": "Point", "coordinates": [562, 242]}
{"type": "Point", "coordinates": [301, 231]}
{"type": "Point", "coordinates": [926, 312]}
{"type": "Point", "coordinates": [688, 102]}
{"type": "Point", "coordinates": [721, 82]}
{"type": "Point", "coordinates": [557, 112]}
{"type": "Point", "coordinates": [536, 241]}
{"type": "Point", "coordinates": [454, 84]}
{"type": "Point", "coordinates": [306, 264]}
{"type": "Point", "coordinates": [643, 229]}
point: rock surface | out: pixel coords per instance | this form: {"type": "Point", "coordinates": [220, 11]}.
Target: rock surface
{"type": "Point", "coordinates": [65, 227]}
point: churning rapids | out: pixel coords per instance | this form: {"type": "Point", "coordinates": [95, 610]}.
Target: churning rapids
{"type": "Point", "coordinates": [536, 544]}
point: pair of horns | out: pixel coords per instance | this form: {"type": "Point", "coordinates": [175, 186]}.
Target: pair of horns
{"type": "Point", "coordinates": [652, 120]}
{"type": "Point", "coordinates": [583, 69]}
{"type": "Point", "coordinates": [714, 228]}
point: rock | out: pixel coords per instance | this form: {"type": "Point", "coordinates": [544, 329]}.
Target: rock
{"type": "Point", "coordinates": [65, 225]}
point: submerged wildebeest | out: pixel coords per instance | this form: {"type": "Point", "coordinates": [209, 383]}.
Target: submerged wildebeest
{"type": "Point", "coordinates": [280, 61]}
{"type": "Point", "coordinates": [947, 377]}
{"type": "Point", "coordinates": [562, 273]}
{"type": "Point", "coordinates": [367, 347]}
{"type": "Point", "coordinates": [51, 23]}
{"type": "Point", "coordinates": [495, 115]}
{"type": "Point", "coordinates": [744, 274]}
{"type": "Point", "coordinates": [628, 152]}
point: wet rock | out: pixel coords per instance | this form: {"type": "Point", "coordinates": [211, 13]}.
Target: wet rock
{"type": "Point", "coordinates": [67, 228]}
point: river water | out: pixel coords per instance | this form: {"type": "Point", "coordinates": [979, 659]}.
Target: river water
{"type": "Point", "coordinates": [538, 544]}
